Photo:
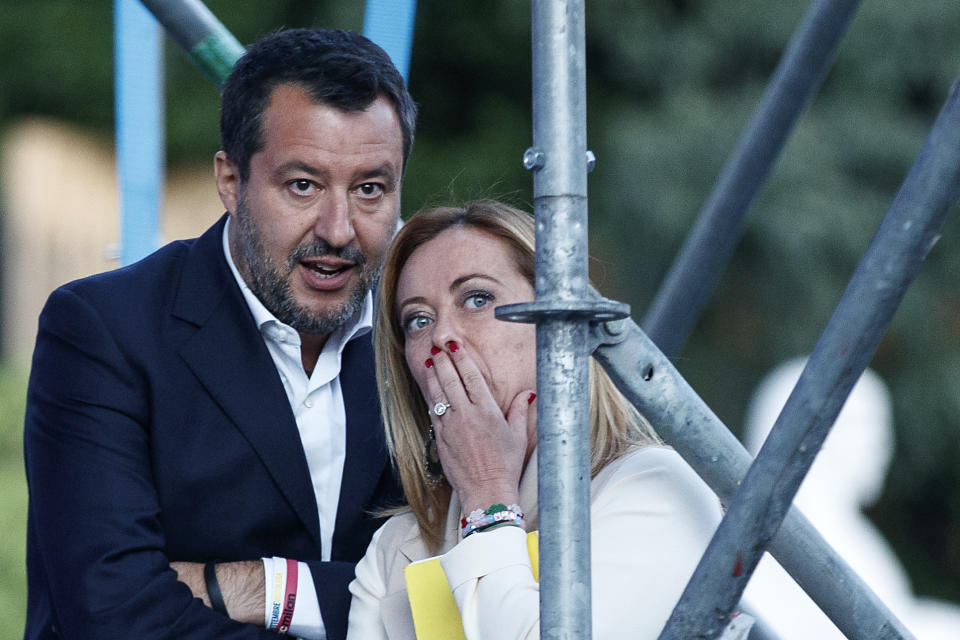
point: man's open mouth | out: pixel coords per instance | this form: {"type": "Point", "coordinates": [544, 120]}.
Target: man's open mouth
{"type": "Point", "coordinates": [325, 270]}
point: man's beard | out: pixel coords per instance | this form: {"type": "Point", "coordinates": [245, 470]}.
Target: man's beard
{"type": "Point", "coordinates": [272, 287]}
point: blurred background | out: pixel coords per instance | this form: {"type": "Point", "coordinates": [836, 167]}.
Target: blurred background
{"type": "Point", "coordinates": [670, 86]}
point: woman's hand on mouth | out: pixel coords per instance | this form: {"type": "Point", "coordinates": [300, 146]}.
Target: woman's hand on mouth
{"type": "Point", "coordinates": [482, 450]}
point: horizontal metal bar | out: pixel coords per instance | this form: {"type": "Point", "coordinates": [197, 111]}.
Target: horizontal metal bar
{"type": "Point", "coordinates": [695, 272]}
{"type": "Point", "coordinates": [685, 422]}
{"type": "Point", "coordinates": [910, 229]}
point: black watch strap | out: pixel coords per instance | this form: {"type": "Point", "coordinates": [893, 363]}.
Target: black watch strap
{"type": "Point", "coordinates": [213, 588]}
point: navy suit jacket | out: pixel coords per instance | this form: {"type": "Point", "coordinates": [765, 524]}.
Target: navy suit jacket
{"type": "Point", "coordinates": [157, 429]}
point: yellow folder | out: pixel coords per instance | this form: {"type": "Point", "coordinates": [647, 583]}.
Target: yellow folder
{"type": "Point", "coordinates": [435, 613]}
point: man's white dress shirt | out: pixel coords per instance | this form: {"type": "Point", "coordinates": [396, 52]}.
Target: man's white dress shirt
{"type": "Point", "coordinates": [317, 404]}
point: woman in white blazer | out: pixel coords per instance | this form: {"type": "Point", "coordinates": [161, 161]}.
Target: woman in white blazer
{"type": "Point", "coordinates": [458, 393]}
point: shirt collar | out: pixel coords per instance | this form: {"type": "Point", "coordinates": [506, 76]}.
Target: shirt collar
{"type": "Point", "coordinates": [357, 326]}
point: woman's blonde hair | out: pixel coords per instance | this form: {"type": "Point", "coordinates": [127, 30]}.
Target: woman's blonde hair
{"type": "Point", "coordinates": [615, 425]}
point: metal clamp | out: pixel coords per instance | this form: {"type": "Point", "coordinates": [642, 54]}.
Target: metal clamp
{"type": "Point", "coordinates": [601, 310]}
{"type": "Point", "coordinates": [611, 332]}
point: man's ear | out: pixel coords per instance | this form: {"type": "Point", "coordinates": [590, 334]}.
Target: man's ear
{"type": "Point", "coordinates": [228, 181]}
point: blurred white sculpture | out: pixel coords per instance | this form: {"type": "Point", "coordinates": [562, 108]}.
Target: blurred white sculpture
{"type": "Point", "coordinates": [847, 475]}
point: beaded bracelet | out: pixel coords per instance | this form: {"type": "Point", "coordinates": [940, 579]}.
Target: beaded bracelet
{"type": "Point", "coordinates": [493, 520]}
{"type": "Point", "coordinates": [476, 514]}
{"type": "Point", "coordinates": [494, 516]}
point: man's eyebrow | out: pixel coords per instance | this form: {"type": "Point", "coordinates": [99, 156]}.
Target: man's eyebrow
{"type": "Point", "coordinates": [385, 171]}
{"type": "Point", "coordinates": [298, 166]}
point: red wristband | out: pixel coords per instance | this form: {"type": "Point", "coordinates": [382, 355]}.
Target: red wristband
{"type": "Point", "coordinates": [289, 597]}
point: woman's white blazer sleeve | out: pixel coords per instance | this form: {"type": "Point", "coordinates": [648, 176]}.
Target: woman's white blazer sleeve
{"type": "Point", "coordinates": [368, 589]}
{"type": "Point", "coordinates": [650, 522]}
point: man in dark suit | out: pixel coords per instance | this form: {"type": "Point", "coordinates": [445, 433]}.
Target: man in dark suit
{"type": "Point", "coordinates": [202, 439]}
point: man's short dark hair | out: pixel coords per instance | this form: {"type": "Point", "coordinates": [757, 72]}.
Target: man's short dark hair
{"type": "Point", "coordinates": [337, 68]}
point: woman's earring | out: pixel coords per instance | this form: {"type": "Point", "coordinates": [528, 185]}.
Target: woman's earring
{"type": "Point", "coordinates": [431, 461]}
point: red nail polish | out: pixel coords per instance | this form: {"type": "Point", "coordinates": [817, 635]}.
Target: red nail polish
{"type": "Point", "coordinates": [429, 362]}
{"type": "Point", "coordinates": [531, 398]}
{"type": "Point", "coordinates": [434, 350]}
{"type": "Point", "coordinates": [453, 346]}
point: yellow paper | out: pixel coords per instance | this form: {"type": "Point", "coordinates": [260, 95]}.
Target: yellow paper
{"type": "Point", "coordinates": [435, 612]}
{"type": "Point", "coordinates": [533, 548]}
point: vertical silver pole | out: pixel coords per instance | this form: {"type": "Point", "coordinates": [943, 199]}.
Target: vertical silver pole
{"type": "Point", "coordinates": [563, 315]}
{"type": "Point", "coordinates": [560, 207]}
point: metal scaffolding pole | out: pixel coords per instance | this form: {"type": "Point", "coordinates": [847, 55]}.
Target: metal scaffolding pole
{"type": "Point", "coordinates": [213, 48]}
{"type": "Point", "coordinates": [563, 315]}
{"type": "Point", "coordinates": [650, 381]}
{"type": "Point", "coordinates": [720, 224]}
{"type": "Point", "coordinates": [138, 104]}
{"type": "Point", "coordinates": [910, 229]}
{"type": "Point", "coordinates": [191, 24]}
{"type": "Point", "coordinates": [389, 23]}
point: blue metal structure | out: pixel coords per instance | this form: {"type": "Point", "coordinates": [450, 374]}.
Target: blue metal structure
{"type": "Point", "coordinates": [389, 23]}
{"type": "Point", "coordinates": [139, 128]}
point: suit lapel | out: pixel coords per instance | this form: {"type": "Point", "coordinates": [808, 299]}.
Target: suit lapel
{"type": "Point", "coordinates": [230, 359]}
{"type": "Point", "coordinates": [366, 452]}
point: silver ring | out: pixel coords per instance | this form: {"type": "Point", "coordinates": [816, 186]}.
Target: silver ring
{"type": "Point", "coordinates": [440, 408]}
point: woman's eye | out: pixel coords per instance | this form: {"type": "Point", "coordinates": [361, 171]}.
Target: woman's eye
{"type": "Point", "coordinates": [415, 323]}
{"type": "Point", "coordinates": [477, 300]}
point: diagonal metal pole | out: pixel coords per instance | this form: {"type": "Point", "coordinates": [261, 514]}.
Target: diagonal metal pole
{"type": "Point", "coordinates": [910, 229]}
{"type": "Point", "coordinates": [650, 381]}
{"type": "Point", "coordinates": [215, 50]}
{"type": "Point", "coordinates": [191, 24]}
{"type": "Point", "coordinates": [696, 270]}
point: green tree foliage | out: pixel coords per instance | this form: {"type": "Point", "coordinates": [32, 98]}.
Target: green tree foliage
{"type": "Point", "coordinates": [671, 84]}
{"type": "Point", "coordinates": [13, 503]}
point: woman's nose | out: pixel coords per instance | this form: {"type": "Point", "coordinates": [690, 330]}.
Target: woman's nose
{"type": "Point", "coordinates": [446, 331]}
